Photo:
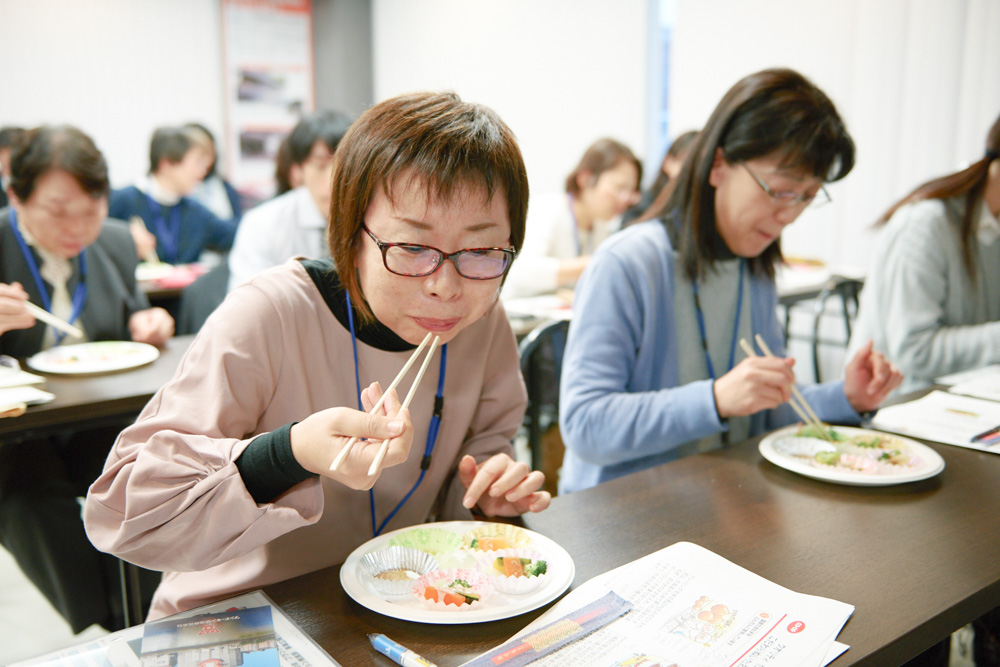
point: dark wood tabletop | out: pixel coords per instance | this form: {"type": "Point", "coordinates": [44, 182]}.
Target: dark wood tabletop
{"type": "Point", "coordinates": [917, 560]}
{"type": "Point", "coordinates": [89, 399]}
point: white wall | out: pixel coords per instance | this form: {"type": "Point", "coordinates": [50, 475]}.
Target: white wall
{"type": "Point", "coordinates": [917, 82]}
{"type": "Point", "coordinates": [117, 69]}
{"type": "Point", "coordinates": [561, 73]}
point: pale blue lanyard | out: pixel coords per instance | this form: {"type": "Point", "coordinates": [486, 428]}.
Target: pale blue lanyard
{"type": "Point", "coordinates": [79, 294]}
{"type": "Point", "coordinates": [432, 429]}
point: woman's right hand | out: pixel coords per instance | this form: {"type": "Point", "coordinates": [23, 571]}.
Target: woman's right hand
{"type": "Point", "coordinates": [754, 384]}
{"type": "Point", "coordinates": [317, 439]}
{"type": "Point", "coordinates": [13, 313]}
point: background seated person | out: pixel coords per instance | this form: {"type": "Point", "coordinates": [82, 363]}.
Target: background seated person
{"type": "Point", "coordinates": [214, 192]}
{"type": "Point", "coordinates": [658, 193]}
{"type": "Point", "coordinates": [564, 229]}
{"type": "Point", "coordinates": [175, 227]}
{"type": "Point", "coordinates": [651, 371]}
{"type": "Point", "coordinates": [9, 135]}
{"type": "Point", "coordinates": [239, 492]}
{"type": "Point", "coordinates": [58, 250]}
{"type": "Point", "coordinates": [932, 296]}
{"type": "Point", "coordinates": [292, 224]}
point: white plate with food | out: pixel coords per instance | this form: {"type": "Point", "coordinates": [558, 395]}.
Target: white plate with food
{"type": "Point", "coordinates": [469, 556]}
{"type": "Point", "coordinates": [89, 358]}
{"type": "Point", "coordinates": [855, 456]}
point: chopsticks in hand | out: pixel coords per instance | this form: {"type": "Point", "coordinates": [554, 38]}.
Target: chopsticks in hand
{"type": "Point", "coordinates": [55, 322]}
{"type": "Point", "coordinates": [804, 411]}
{"type": "Point", "coordinates": [402, 373]}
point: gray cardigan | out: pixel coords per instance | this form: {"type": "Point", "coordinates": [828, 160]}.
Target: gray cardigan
{"type": "Point", "coordinates": [919, 305]}
{"type": "Point", "coordinates": [112, 292]}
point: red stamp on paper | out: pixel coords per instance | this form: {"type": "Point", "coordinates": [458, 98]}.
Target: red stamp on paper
{"type": "Point", "coordinates": [796, 627]}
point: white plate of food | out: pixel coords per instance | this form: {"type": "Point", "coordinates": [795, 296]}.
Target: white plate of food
{"type": "Point", "coordinates": [856, 456]}
{"type": "Point", "coordinates": [98, 357]}
{"type": "Point", "coordinates": [468, 551]}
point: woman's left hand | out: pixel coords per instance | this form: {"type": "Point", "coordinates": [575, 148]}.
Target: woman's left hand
{"type": "Point", "coordinates": [869, 378]}
{"type": "Point", "coordinates": [501, 486]}
{"type": "Point", "coordinates": [153, 326]}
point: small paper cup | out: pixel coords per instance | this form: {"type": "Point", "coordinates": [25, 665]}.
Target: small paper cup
{"type": "Point", "coordinates": [430, 540]}
{"type": "Point", "coordinates": [393, 570]}
{"type": "Point", "coordinates": [479, 582]}
{"type": "Point", "coordinates": [513, 585]}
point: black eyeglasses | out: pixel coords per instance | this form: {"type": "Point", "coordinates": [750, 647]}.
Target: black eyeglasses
{"type": "Point", "coordinates": [791, 199]}
{"type": "Point", "coordinates": [414, 260]}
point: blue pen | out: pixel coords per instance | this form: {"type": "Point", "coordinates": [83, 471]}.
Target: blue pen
{"type": "Point", "coordinates": [397, 652]}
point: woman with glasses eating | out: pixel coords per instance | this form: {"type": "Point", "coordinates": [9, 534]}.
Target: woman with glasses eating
{"type": "Point", "coordinates": [232, 477]}
{"type": "Point", "coordinates": [651, 369]}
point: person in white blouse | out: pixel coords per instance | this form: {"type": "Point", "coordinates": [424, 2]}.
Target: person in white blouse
{"type": "Point", "coordinates": [292, 224]}
{"type": "Point", "coordinates": [931, 300]}
{"type": "Point", "coordinates": [563, 229]}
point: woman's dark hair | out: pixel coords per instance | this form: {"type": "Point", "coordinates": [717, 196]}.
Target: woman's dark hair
{"type": "Point", "coordinates": [772, 112]}
{"type": "Point", "coordinates": [170, 144]}
{"type": "Point", "coordinates": [330, 126]}
{"type": "Point", "coordinates": [969, 183]}
{"type": "Point", "coordinates": [434, 139]}
{"type": "Point", "coordinates": [62, 147]}
{"type": "Point", "coordinates": [602, 155]}
{"type": "Point", "coordinates": [282, 167]}
{"type": "Point", "coordinates": [678, 149]}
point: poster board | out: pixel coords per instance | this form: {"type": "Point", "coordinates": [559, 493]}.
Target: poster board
{"type": "Point", "coordinates": [269, 76]}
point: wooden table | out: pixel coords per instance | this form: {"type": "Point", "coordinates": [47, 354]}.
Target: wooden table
{"type": "Point", "coordinates": [91, 399]}
{"type": "Point", "coordinates": [918, 561]}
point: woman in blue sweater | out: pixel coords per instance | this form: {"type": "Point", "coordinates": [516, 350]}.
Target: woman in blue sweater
{"type": "Point", "coordinates": [651, 371]}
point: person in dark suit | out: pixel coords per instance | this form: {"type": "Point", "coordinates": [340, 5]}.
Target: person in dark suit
{"type": "Point", "coordinates": [58, 250]}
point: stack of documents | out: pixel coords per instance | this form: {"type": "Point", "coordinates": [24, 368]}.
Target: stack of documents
{"type": "Point", "coordinates": [682, 605]}
{"type": "Point", "coordinates": [16, 390]}
{"type": "Point", "coordinates": [946, 417]}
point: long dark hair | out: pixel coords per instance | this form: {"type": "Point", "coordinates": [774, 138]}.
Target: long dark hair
{"type": "Point", "coordinates": [775, 111]}
{"type": "Point", "coordinates": [970, 183]}
{"type": "Point", "coordinates": [661, 193]}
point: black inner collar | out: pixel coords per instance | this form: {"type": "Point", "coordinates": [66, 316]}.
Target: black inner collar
{"type": "Point", "coordinates": [377, 335]}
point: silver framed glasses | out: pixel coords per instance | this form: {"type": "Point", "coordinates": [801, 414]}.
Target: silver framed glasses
{"type": "Point", "coordinates": [791, 199]}
{"type": "Point", "coordinates": [414, 260]}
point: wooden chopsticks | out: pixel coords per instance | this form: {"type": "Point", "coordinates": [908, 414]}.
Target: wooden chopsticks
{"type": "Point", "coordinates": [49, 318]}
{"type": "Point", "coordinates": [798, 401]}
{"type": "Point", "coordinates": [406, 402]}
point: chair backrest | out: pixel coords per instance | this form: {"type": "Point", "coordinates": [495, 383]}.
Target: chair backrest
{"type": "Point", "coordinates": [541, 365]}
{"type": "Point", "coordinates": [541, 360]}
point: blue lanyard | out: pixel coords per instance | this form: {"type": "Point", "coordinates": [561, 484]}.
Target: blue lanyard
{"type": "Point", "coordinates": [432, 429]}
{"type": "Point", "coordinates": [576, 228]}
{"type": "Point", "coordinates": [168, 232]}
{"type": "Point", "coordinates": [736, 326]}
{"type": "Point", "coordinates": [79, 294]}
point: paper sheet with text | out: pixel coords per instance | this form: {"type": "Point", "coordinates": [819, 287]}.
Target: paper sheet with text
{"type": "Point", "coordinates": [693, 608]}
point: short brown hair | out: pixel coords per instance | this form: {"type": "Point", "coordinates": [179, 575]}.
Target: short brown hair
{"type": "Point", "coordinates": [57, 147]}
{"type": "Point", "coordinates": [602, 155]}
{"type": "Point", "coordinates": [434, 138]}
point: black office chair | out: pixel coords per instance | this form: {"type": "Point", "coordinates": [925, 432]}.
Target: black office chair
{"type": "Point", "coordinates": [847, 290]}
{"type": "Point", "coordinates": [201, 298]}
{"type": "Point", "coordinates": [541, 365]}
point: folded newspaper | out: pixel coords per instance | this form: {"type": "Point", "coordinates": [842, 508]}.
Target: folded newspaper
{"type": "Point", "coordinates": [683, 606]}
